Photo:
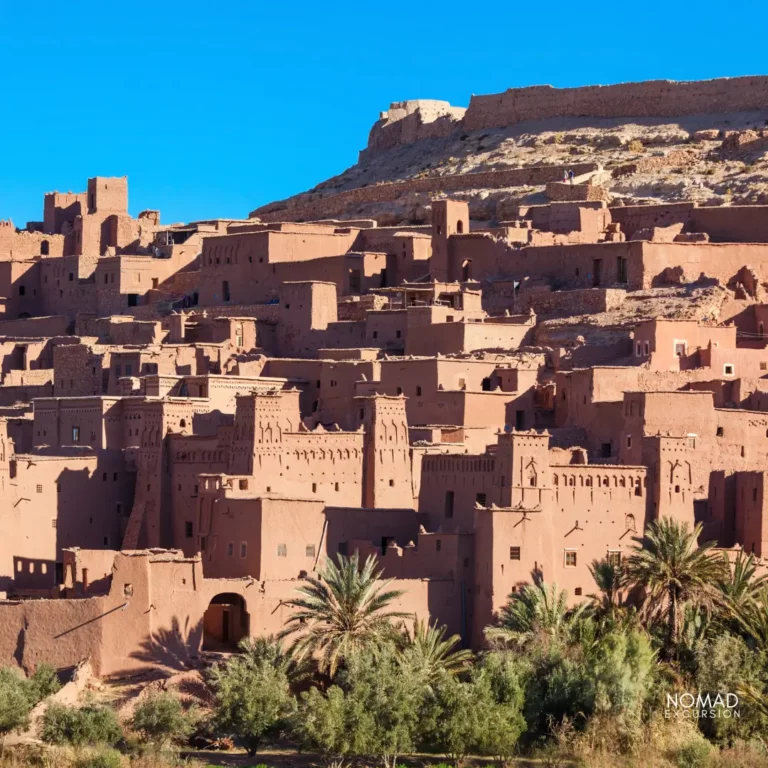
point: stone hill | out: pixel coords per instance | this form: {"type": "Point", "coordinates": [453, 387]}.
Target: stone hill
{"type": "Point", "coordinates": [704, 141]}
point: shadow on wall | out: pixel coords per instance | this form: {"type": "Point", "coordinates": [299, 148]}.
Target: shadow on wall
{"type": "Point", "coordinates": [174, 648]}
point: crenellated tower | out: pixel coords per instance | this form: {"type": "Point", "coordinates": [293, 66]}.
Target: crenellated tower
{"type": "Point", "coordinates": [387, 472]}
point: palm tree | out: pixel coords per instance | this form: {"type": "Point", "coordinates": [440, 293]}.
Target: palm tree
{"type": "Point", "coordinates": [429, 654]}
{"type": "Point", "coordinates": [270, 651]}
{"type": "Point", "coordinates": [755, 697]}
{"type": "Point", "coordinates": [538, 609]}
{"type": "Point", "coordinates": [752, 618]}
{"type": "Point", "coordinates": [610, 578]}
{"type": "Point", "coordinates": [340, 611]}
{"type": "Point", "coordinates": [739, 585]}
{"type": "Point", "coordinates": [675, 572]}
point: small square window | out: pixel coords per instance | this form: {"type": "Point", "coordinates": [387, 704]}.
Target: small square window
{"type": "Point", "coordinates": [614, 558]}
{"type": "Point", "coordinates": [764, 366]}
{"type": "Point", "coordinates": [514, 553]}
{"type": "Point", "coordinates": [570, 559]}
{"type": "Point", "coordinates": [438, 545]}
{"type": "Point", "coordinates": [39, 488]}
{"type": "Point", "coordinates": [230, 549]}
{"type": "Point", "coordinates": [282, 550]}
{"type": "Point", "coordinates": [309, 550]}
{"type": "Point", "coordinates": [577, 591]}
{"type": "Point", "coordinates": [728, 369]}
{"type": "Point", "coordinates": [720, 432]}
{"type": "Point", "coordinates": [75, 434]}
{"type": "Point", "coordinates": [188, 529]}
{"type": "Point", "coordinates": [481, 499]}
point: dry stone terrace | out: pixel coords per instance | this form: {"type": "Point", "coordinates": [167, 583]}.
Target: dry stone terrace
{"type": "Point", "coordinates": [193, 417]}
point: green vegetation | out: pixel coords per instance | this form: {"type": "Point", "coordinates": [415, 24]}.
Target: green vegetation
{"type": "Point", "coordinates": [161, 720]}
{"type": "Point", "coordinates": [340, 612]}
{"type": "Point", "coordinates": [586, 685]}
{"type": "Point", "coordinates": [253, 697]}
{"type": "Point", "coordinates": [19, 694]}
{"type": "Point", "coordinates": [77, 726]}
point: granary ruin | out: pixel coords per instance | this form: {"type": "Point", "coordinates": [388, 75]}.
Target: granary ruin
{"type": "Point", "coordinates": [480, 378]}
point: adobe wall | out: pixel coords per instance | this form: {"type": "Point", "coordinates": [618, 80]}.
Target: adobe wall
{"type": "Point", "coordinates": [730, 224]}
{"type": "Point", "coordinates": [563, 192]}
{"type": "Point", "coordinates": [565, 266]}
{"type": "Point", "coordinates": [654, 98]}
{"type": "Point", "coordinates": [335, 205]}
{"type": "Point", "coordinates": [31, 327]}
{"type": "Point", "coordinates": [455, 338]}
{"type": "Point", "coordinates": [722, 261]}
{"type": "Point", "coordinates": [543, 300]}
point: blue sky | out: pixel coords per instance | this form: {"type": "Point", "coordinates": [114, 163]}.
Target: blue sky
{"type": "Point", "coordinates": [212, 109]}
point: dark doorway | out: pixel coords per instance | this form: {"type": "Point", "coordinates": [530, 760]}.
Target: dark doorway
{"type": "Point", "coordinates": [225, 622]}
{"type": "Point", "coordinates": [225, 290]}
{"type": "Point", "coordinates": [621, 269]}
{"type": "Point", "coordinates": [597, 270]}
{"type": "Point", "coordinates": [606, 450]}
{"type": "Point", "coordinates": [466, 270]}
{"type": "Point", "coordinates": [520, 420]}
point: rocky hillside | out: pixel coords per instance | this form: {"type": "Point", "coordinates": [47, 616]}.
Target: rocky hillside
{"type": "Point", "coordinates": [421, 150]}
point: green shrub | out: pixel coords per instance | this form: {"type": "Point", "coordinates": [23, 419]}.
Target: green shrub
{"type": "Point", "coordinates": [15, 701]}
{"type": "Point", "coordinates": [253, 699]}
{"type": "Point", "coordinates": [91, 724]}
{"type": "Point", "coordinates": [161, 719]}
{"type": "Point", "coordinates": [104, 758]}
{"type": "Point", "coordinates": [695, 754]}
{"type": "Point", "coordinates": [43, 683]}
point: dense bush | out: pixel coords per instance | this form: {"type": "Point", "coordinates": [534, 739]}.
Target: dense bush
{"type": "Point", "coordinates": [76, 726]}
{"type": "Point", "coordinates": [253, 698]}
{"type": "Point", "coordinates": [161, 719]}
{"type": "Point", "coordinates": [19, 694]}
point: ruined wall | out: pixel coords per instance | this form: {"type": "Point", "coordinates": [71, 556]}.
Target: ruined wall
{"type": "Point", "coordinates": [543, 300]}
{"type": "Point", "coordinates": [565, 193]}
{"type": "Point", "coordinates": [633, 218]}
{"type": "Point", "coordinates": [653, 98]}
{"type": "Point", "coordinates": [315, 206]}
{"type": "Point", "coordinates": [713, 260]}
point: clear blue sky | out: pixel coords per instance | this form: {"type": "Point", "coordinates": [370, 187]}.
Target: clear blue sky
{"type": "Point", "coordinates": [213, 108]}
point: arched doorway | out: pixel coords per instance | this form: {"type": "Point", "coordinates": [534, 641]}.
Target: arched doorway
{"type": "Point", "coordinates": [466, 270]}
{"type": "Point", "coordinates": [225, 622]}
